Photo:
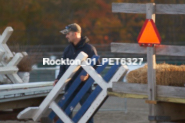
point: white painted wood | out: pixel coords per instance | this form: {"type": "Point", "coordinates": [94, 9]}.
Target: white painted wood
{"type": "Point", "coordinates": [7, 60]}
{"type": "Point", "coordinates": [150, 11]}
{"type": "Point", "coordinates": [4, 79]}
{"type": "Point", "coordinates": [14, 78]}
{"type": "Point", "coordinates": [141, 89]}
{"type": "Point", "coordinates": [93, 106]}
{"type": "Point", "coordinates": [141, 8]}
{"type": "Point", "coordinates": [8, 53]}
{"type": "Point", "coordinates": [22, 94]}
{"type": "Point", "coordinates": [34, 93]}
{"type": "Point", "coordinates": [151, 61]}
{"type": "Point", "coordinates": [13, 53]}
{"type": "Point", "coordinates": [8, 70]}
{"type": "Point", "coordinates": [39, 95]}
{"type": "Point", "coordinates": [26, 91]}
{"type": "Point", "coordinates": [95, 76]}
{"type": "Point", "coordinates": [151, 76]}
{"type": "Point", "coordinates": [127, 48]}
{"type": "Point", "coordinates": [58, 87]}
{"type": "Point", "coordinates": [12, 68]}
{"type": "Point", "coordinates": [15, 60]}
{"type": "Point", "coordinates": [121, 71]}
{"type": "Point", "coordinates": [168, 50]}
{"type": "Point", "coordinates": [3, 39]}
{"type": "Point", "coordinates": [24, 53]}
{"type": "Point", "coordinates": [170, 9]}
{"type": "Point", "coordinates": [60, 113]}
{"type": "Point", "coordinates": [130, 88]}
{"type": "Point", "coordinates": [1, 54]}
{"type": "Point", "coordinates": [38, 69]}
{"type": "Point", "coordinates": [49, 100]}
{"type": "Point", "coordinates": [26, 85]}
{"type": "Point", "coordinates": [6, 35]}
{"type": "Point", "coordinates": [27, 113]}
{"type": "Point", "coordinates": [129, 8]}
{"type": "Point", "coordinates": [170, 91]}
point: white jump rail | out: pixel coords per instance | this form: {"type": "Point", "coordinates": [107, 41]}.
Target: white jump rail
{"type": "Point", "coordinates": [9, 60]}
{"type": "Point", "coordinates": [36, 112]}
{"type": "Point", "coordinates": [26, 85]}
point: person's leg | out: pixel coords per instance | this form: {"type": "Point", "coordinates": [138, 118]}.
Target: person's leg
{"type": "Point", "coordinates": [65, 106]}
{"type": "Point", "coordinates": [82, 102]}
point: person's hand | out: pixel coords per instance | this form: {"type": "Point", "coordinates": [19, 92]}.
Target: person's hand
{"type": "Point", "coordinates": [55, 82]}
{"type": "Point", "coordinates": [84, 78]}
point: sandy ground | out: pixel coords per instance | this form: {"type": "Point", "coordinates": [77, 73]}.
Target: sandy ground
{"type": "Point", "coordinates": [116, 110]}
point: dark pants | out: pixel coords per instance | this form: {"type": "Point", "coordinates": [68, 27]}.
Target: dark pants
{"type": "Point", "coordinates": [82, 102]}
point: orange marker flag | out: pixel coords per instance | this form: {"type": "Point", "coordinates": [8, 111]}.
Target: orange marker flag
{"type": "Point", "coordinates": [149, 34]}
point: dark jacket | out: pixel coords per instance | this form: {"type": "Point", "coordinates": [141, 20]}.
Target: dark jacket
{"type": "Point", "coordinates": [72, 51]}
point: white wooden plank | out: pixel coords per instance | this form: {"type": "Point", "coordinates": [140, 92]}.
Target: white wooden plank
{"type": "Point", "coordinates": [150, 11]}
{"type": "Point", "coordinates": [40, 95]}
{"type": "Point", "coordinates": [14, 78]}
{"type": "Point", "coordinates": [8, 70]}
{"type": "Point", "coordinates": [95, 76]}
{"type": "Point", "coordinates": [170, 91]}
{"type": "Point", "coordinates": [60, 113]}
{"type": "Point", "coordinates": [8, 53]}
{"type": "Point", "coordinates": [130, 88]}
{"type": "Point", "coordinates": [151, 74]}
{"type": "Point", "coordinates": [58, 87]}
{"type": "Point", "coordinates": [4, 79]}
{"type": "Point", "coordinates": [26, 85]}
{"type": "Point", "coordinates": [3, 39]}
{"type": "Point", "coordinates": [1, 54]}
{"type": "Point", "coordinates": [93, 106]}
{"type": "Point", "coordinates": [25, 91]}
{"type": "Point", "coordinates": [141, 8]}
{"type": "Point", "coordinates": [27, 113]}
{"type": "Point", "coordinates": [162, 91]}
{"type": "Point", "coordinates": [151, 79]}
{"type": "Point", "coordinates": [127, 48]}
{"type": "Point", "coordinates": [129, 8]}
{"type": "Point", "coordinates": [24, 53]}
{"type": "Point", "coordinates": [168, 50]}
{"type": "Point", "coordinates": [6, 34]}
{"type": "Point", "coordinates": [151, 61]}
{"type": "Point", "coordinates": [15, 60]}
{"type": "Point", "coordinates": [170, 8]}
{"type": "Point", "coordinates": [121, 71]}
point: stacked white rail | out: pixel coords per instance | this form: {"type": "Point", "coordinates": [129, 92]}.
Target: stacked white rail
{"type": "Point", "coordinates": [96, 98]}
{"type": "Point", "coordinates": [14, 92]}
{"type": "Point", "coordinates": [9, 60]}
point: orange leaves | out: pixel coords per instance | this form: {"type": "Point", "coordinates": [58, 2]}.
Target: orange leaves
{"type": "Point", "coordinates": [40, 21]}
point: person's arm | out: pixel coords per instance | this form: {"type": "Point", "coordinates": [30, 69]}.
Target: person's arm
{"type": "Point", "coordinates": [93, 52]}
{"type": "Point", "coordinates": [62, 70]}
{"type": "Point", "coordinates": [55, 82]}
{"type": "Point", "coordinates": [84, 78]}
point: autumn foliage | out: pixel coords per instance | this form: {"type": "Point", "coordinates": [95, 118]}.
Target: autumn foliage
{"type": "Point", "coordinates": [39, 21]}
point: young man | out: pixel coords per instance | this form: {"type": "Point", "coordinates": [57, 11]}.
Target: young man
{"type": "Point", "coordinates": [77, 43]}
